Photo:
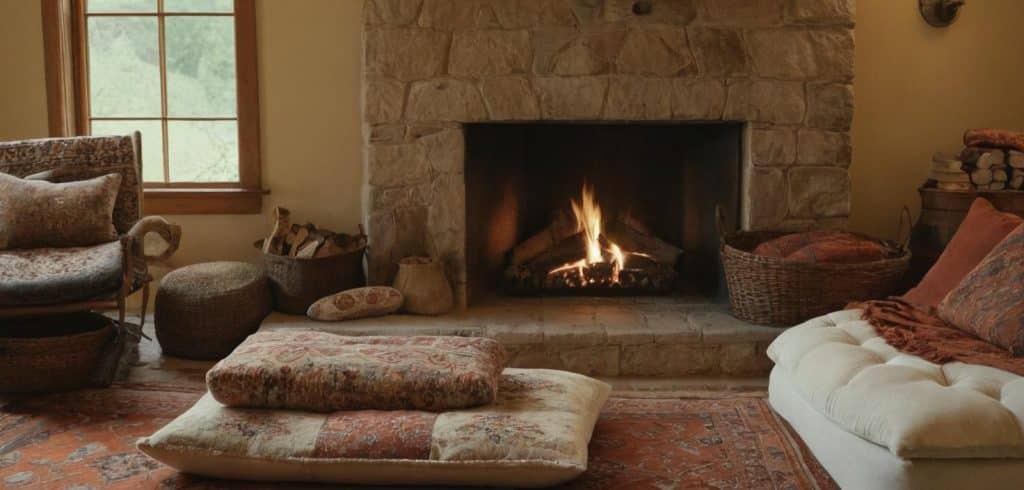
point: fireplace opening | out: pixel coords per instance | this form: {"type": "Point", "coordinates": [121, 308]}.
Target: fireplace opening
{"type": "Point", "coordinates": [598, 209]}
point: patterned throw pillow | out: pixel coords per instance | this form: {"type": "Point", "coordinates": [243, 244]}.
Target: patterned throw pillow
{"type": "Point", "coordinates": [356, 303]}
{"type": "Point", "coordinates": [38, 214]}
{"type": "Point", "coordinates": [324, 372]}
{"type": "Point", "coordinates": [989, 302]}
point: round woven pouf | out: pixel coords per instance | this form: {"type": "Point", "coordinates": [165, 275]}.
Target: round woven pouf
{"type": "Point", "coordinates": [204, 311]}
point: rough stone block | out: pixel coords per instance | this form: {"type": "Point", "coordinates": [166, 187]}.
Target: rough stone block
{"type": "Point", "coordinates": [656, 51]}
{"type": "Point", "coordinates": [798, 54]}
{"type": "Point", "coordinates": [830, 106]}
{"type": "Point", "coordinates": [457, 14]}
{"type": "Point", "coordinates": [384, 100]}
{"type": "Point", "coordinates": [405, 54]}
{"type": "Point", "coordinates": [520, 14]}
{"type": "Point", "coordinates": [697, 99]}
{"type": "Point", "coordinates": [720, 52]}
{"type": "Point", "coordinates": [722, 328]}
{"type": "Point", "coordinates": [773, 146]}
{"type": "Point", "coordinates": [381, 229]}
{"type": "Point", "coordinates": [391, 12]}
{"type": "Point", "coordinates": [766, 101]}
{"type": "Point", "coordinates": [510, 99]}
{"type": "Point", "coordinates": [817, 147]}
{"type": "Point", "coordinates": [624, 326]}
{"type": "Point", "coordinates": [386, 134]}
{"type": "Point", "coordinates": [534, 357]}
{"type": "Point", "coordinates": [602, 360]}
{"type": "Point", "coordinates": [489, 53]}
{"type": "Point", "coordinates": [839, 12]}
{"type": "Point", "coordinates": [448, 206]}
{"type": "Point", "coordinates": [672, 327]}
{"type": "Point", "coordinates": [591, 53]}
{"type": "Point", "coordinates": [674, 12]}
{"type": "Point", "coordinates": [445, 100]}
{"type": "Point", "coordinates": [667, 360]}
{"type": "Point", "coordinates": [819, 192]}
{"type": "Point", "coordinates": [767, 197]}
{"type": "Point", "coordinates": [746, 359]}
{"type": "Point", "coordinates": [397, 165]}
{"type": "Point", "coordinates": [445, 151]}
{"type": "Point", "coordinates": [742, 12]}
{"type": "Point", "coordinates": [636, 98]}
{"type": "Point", "coordinates": [384, 198]}
{"type": "Point", "coordinates": [571, 98]}
{"type": "Point", "coordinates": [411, 234]}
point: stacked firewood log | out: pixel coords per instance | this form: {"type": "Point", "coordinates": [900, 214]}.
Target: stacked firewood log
{"type": "Point", "coordinates": [992, 160]}
{"type": "Point", "coordinates": [307, 241]}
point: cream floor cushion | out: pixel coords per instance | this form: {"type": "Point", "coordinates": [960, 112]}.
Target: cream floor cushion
{"type": "Point", "coordinates": [915, 408]}
{"type": "Point", "coordinates": [535, 435]}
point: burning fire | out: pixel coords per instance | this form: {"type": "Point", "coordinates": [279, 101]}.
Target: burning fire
{"type": "Point", "coordinates": [589, 224]}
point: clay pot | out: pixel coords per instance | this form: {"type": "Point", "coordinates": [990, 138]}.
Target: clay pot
{"type": "Point", "coordinates": [422, 282]}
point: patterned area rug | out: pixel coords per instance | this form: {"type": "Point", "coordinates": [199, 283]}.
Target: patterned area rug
{"type": "Point", "coordinates": [86, 440]}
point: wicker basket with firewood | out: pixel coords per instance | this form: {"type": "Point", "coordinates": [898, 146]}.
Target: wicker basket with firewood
{"type": "Point", "coordinates": [305, 263]}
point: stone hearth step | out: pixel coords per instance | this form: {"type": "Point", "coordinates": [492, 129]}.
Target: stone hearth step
{"type": "Point", "coordinates": [656, 336]}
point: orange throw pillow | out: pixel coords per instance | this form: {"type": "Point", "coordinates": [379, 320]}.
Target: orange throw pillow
{"type": "Point", "coordinates": [786, 245]}
{"type": "Point", "coordinates": [844, 250]}
{"type": "Point", "coordinates": [982, 229]}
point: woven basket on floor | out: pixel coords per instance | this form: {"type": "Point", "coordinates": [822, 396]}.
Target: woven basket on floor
{"type": "Point", "coordinates": [298, 283]}
{"type": "Point", "coordinates": [52, 353]}
{"type": "Point", "coordinates": [203, 311]}
{"type": "Point", "coordinates": [778, 292]}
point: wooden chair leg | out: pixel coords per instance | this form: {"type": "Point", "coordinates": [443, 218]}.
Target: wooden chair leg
{"type": "Point", "coordinates": [145, 304]}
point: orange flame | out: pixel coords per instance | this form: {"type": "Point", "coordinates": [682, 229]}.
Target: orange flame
{"type": "Point", "coordinates": [589, 223]}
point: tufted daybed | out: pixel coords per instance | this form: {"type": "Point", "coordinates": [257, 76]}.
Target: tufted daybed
{"type": "Point", "coordinates": [878, 418]}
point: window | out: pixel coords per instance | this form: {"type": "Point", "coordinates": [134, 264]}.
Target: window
{"type": "Point", "coordinates": [183, 73]}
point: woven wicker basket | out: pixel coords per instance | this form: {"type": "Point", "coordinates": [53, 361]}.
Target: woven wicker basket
{"type": "Point", "coordinates": [52, 353]}
{"type": "Point", "coordinates": [777, 292]}
{"type": "Point", "coordinates": [297, 283]}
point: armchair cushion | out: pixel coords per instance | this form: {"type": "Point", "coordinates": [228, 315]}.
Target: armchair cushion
{"type": "Point", "coordinates": [38, 214]}
{"type": "Point", "coordinates": [48, 276]}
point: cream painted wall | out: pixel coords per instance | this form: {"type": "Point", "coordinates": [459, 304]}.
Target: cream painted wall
{"type": "Point", "coordinates": [22, 76]}
{"type": "Point", "coordinates": [917, 89]}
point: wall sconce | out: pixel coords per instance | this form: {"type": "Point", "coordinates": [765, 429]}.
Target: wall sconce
{"type": "Point", "coordinates": [940, 13]}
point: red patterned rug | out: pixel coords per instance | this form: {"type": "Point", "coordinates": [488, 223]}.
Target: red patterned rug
{"type": "Point", "coordinates": [86, 440]}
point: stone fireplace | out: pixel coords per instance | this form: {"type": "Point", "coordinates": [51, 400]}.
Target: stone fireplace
{"type": "Point", "coordinates": [778, 72]}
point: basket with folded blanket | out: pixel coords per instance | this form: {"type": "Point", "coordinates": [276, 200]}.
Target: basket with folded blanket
{"type": "Point", "coordinates": [781, 279]}
{"type": "Point", "coordinates": [313, 406]}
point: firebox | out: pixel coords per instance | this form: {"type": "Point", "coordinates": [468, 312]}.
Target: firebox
{"type": "Point", "coordinates": [599, 208]}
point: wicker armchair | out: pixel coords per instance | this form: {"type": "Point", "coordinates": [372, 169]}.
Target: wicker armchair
{"type": "Point", "coordinates": [46, 281]}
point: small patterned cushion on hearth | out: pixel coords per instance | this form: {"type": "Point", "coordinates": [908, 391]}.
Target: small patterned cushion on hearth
{"type": "Point", "coordinates": [534, 435]}
{"type": "Point", "coordinates": [324, 372]}
{"type": "Point", "coordinates": [989, 301]}
{"type": "Point", "coordinates": [356, 303]}
{"type": "Point", "coordinates": [48, 276]}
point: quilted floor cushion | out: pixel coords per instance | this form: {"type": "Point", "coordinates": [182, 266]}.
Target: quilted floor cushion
{"type": "Point", "coordinates": [534, 435]}
{"type": "Point", "coordinates": [47, 276]}
{"type": "Point", "coordinates": [323, 372]}
{"type": "Point", "coordinates": [915, 408]}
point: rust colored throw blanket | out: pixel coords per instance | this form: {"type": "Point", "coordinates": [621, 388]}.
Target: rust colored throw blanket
{"type": "Point", "coordinates": [921, 332]}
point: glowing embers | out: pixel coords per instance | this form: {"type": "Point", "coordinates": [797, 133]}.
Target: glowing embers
{"type": "Point", "coordinates": [580, 254]}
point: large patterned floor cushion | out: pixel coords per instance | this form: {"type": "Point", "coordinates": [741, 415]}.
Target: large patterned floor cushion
{"type": "Point", "coordinates": [534, 435]}
{"type": "Point", "coordinates": [323, 372]}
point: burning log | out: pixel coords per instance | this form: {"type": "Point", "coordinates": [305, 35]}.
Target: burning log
{"type": "Point", "coordinates": [631, 236]}
{"type": "Point", "coordinates": [561, 227]}
{"type": "Point", "coordinates": [590, 259]}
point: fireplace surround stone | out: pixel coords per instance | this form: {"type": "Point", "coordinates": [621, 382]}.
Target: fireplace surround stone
{"type": "Point", "coordinates": [782, 67]}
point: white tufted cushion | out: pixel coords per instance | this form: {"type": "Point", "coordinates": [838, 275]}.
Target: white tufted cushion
{"type": "Point", "coordinates": [915, 408]}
